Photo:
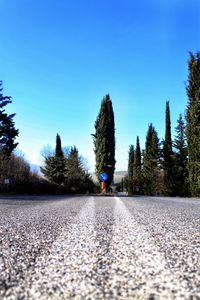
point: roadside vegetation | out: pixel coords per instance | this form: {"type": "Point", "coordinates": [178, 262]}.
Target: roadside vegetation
{"type": "Point", "coordinates": [168, 166]}
{"type": "Point", "coordinates": [162, 169]}
{"type": "Point", "coordinates": [171, 167]}
{"type": "Point", "coordinates": [66, 170]}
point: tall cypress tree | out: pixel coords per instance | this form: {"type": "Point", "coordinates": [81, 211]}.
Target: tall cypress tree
{"type": "Point", "coordinates": [151, 161]}
{"type": "Point", "coordinates": [137, 168]}
{"type": "Point", "coordinates": [168, 159]}
{"type": "Point", "coordinates": [58, 151]}
{"type": "Point", "coordinates": [8, 132]}
{"type": "Point", "coordinates": [130, 169]}
{"type": "Point", "coordinates": [193, 123]}
{"type": "Point", "coordinates": [104, 140]}
{"type": "Point", "coordinates": [181, 159]}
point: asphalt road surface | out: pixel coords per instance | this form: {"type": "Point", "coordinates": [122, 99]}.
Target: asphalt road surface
{"type": "Point", "coordinates": [99, 248]}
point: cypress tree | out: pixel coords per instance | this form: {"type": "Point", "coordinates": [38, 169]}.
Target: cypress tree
{"type": "Point", "coordinates": [151, 161]}
{"type": "Point", "coordinates": [130, 169]}
{"type": "Point", "coordinates": [137, 168]}
{"type": "Point", "coordinates": [8, 132]}
{"type": "Point", "coordinates": [193, 123]}
{"type": "Point", "coordinates": [54, 165]}
{"type": "Point", "coordinates": [181, 159]}
{"type": "Point", "coordinates": [168, 159]}
{"type": "Point", "coordinates": [60, 162]}
{"type": "Point", "coordinates": [58, 151]}
{"type": "Point", "coordinates": [104, 140]}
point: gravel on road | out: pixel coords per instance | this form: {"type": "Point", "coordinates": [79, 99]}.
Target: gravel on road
{"type": "Point", "coordinates": [99, 248]}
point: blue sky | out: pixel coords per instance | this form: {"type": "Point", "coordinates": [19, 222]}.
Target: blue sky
{"type": "Point", "coordinates": [59, 58]}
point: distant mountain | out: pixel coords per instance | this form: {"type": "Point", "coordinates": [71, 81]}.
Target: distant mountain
{"type": "Point", "coordinates": [122, 173]}
{"type": "Point", "coordinates": [119, 175]}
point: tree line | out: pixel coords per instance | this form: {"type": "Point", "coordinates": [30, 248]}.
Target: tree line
{"type": "Point", "coordinates": [67, 170]}
{"type": "Point", "coordinates": [64, 171]}
{"type": "Point", "coordinates": [162, 167]}
{"type": "Point", "coordinates": [15, 171]}
{"type": "Point", "coordinates": [170, 167]}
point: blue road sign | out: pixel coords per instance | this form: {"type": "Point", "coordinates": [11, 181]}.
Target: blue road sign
{"type": "Point", "coordinates": [103, 177]}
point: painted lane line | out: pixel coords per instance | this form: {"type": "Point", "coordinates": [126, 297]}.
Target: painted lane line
{"type": "Point", "coordinates": [139, 270]}
{"type": "Point", "coordinates": [66, 271]}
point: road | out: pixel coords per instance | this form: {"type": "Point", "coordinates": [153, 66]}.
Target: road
{"type": "Point", "coordinates": [99, 248]}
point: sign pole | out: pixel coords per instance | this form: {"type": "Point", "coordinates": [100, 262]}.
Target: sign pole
{"type": "Point", "coordinates": [103, 177]}
{"type": "Point", "coordinates": [103, 186]}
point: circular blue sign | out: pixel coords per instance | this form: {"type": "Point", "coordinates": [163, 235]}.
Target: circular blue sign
{"type": "Point", "coordinates": [103, 177]}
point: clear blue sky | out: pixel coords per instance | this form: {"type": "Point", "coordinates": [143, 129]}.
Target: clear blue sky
{"type": "Point", "coordinates": [59, 58]}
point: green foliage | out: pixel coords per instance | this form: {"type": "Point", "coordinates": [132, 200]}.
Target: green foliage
{"type": "Point", "coordinates": [168, 157]}
{"type": "Point", "coordinates": [58, 151]}
{"type": "Point", "coordinates": [76, 178]}
{"type": "Point", "coordinates": [137, 169]}
{"type": "Point", "coordinates": [131, 155]}
{"type": "Point", "coordinates": [193, 123]}
{"type": "Point", "coordinates": [151, 159]}
{"type": "Point", "coordinates": [54, 165]}
{"type": "Point", "coordinates": [181, 159]}
{"type": "Point", "coordinates": [8, 132]}
{"type": "Point", "coordinates": [67, 172]}
{"type": "Point", "coordinates": [54, 169]}
{"type": "Point", "coordinates": [126, 182]}
{"type": "Point", "coordinates": [104, 140]}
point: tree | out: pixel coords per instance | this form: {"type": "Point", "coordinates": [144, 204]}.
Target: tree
{"type": "Point", "coordinates": [66, 171]}
{"type": "Point", "coordinates": [130, 169]}
{"type": "Point", "coordinates": [77, 179]}
{"type": "Point", "coordinates": [54, 165]}
{"type": "Point", "coordinates": [181, 159]}
{"type": "Point", "coordinates": [21, 178]}
{"type": "Point", "coordinates": [137, 168]}
{"type": "Point", "coordinates": [58, 151]}
{"type": "Point", "coordinates": [151, 161]}
{"type": "Point", "coordinates": [104, 140]}
{"type": "Point", "coordinates": [8, 132]}
{"type": "Point", "coordinates": [193, 123]}
{"type": "Point", "coordinates": [74, 171]}
{"type": "Point", "coordinates": [16, 169]}
{"type": "Point", "coordinates": [168, 158]}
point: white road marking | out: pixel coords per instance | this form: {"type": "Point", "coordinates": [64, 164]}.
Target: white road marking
{"type": "Point", "coordinates": [139, 265]}
{"type": "Point", "coordinates": [64, 272]}
{"type": "Point", "coordinates": [96, 259]}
